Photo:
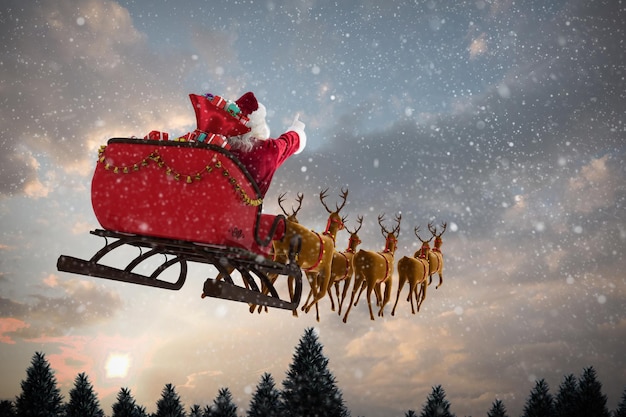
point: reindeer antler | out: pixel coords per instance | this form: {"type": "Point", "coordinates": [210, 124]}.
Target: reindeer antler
{"type": "Point", "coordinates": [281, 198]}
{"type": "Point", "coordinates": [396, 230]}
{"type": "Point", "coordinates": [443, 226]}
{"type": "Point", "coordinates": [344, 196]}
{"type": "Point", "coordinates": [359, 220]}
{"type": "Point", "coordinates": [322, 197]}
{"type": "Point", "coordinates": [417, 230]}
{"type": "Point", "coordinates": [433, 230]}
{"type": "Point", "coordinates": [383, 230]}
{"type": "Point", "coordinates": [299, 199]}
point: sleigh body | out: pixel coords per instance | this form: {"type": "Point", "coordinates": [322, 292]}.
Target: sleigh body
{"type": "Point", "coordinates": [193, 202]}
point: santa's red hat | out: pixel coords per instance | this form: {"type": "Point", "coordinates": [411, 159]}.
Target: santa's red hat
{"type": "Point", "coordinates": [217, 115]}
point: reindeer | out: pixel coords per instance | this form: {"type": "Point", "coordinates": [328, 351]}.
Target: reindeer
{"type": "Point", "coordinates": [316, 252]}
{"type": "Point", "coordinates": [282, 256]}
{"type": "Point", "coordinates": [415, 271]}
{"type": "Point", "coordinates": [342, 269]}
{"type": "Point", "coordinates": [372, 269]}
{"type": "Point", "coordinates": [435, 257]}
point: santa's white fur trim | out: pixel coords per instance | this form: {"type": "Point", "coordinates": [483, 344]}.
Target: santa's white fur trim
{"type": "Point", "coordinates": [302, 137]}
{"type": "Point", "coordinates": [257, 124]}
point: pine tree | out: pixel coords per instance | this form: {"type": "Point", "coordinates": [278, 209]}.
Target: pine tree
{"type": "Point", "coordinates": [125, 406]}
{"type": "Point", "coordinates": [591, 402]}
{"type": "Point", "coordinates": [266, 399]}
{"type": "Point", "coordinates": [83, 400]}
{"type": "Point", "coordinates": [169, 405]}
{"type": "Point", "coordinates": [497, 409]}
{"type": "Point", "coordinates": [40, 396]}
{"type": "Point", "coordinates": [195, 411]}
{"type": "Point", "coordinates": [7, 409]}
{"type": "Point", "coordinates": [436, 404]}
{"type": "Point", "coordinates": [310, 388]}
{"type": "Point", "coordinates": [540, 402]}
{"type": "Point", "coordinates": [223, 405]}
{"type": "Point", "coordinates": [410, 413]}
{"type": "Point", "coordinates": [620, 411]}
{"type": "Point", "coordinates": [565, 400]}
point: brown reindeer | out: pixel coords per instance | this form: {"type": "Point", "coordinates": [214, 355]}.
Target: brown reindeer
{"type": "Point", "coordinates": [342, 270]}
{"type": "Point", "coordinates": [372, 269]}
{"type": "Point", "coordinates": [435, 257]}
{"type": "Point", "coordinates": [282, 256]}
{"type": "Point", "coordinates": [316, 253]}
{"type": "Point", "coordinates": [415, 271]}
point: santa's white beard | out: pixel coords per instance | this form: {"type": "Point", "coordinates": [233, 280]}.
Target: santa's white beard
{"type": "Point", "coordinates": [259, 130]}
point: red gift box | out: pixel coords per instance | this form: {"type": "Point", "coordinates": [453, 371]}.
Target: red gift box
{"type": "Point", "coordinates": [156, 135]}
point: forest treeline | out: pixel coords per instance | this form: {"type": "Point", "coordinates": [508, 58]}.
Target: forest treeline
{"type": "Point", "coordinates": [309, 390]}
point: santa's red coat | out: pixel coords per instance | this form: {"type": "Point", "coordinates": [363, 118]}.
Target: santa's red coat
{"type": "Point", "coordinates": [267, 156]}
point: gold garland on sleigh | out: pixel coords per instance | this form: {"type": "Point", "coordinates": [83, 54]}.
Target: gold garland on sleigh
{"type": "Point", "coordinates": [156, 158]}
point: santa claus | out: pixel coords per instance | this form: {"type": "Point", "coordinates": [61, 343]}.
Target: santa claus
{"type": "Point", "coordinates": [241, 126]}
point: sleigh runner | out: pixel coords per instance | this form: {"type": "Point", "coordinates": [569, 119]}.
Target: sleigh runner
{"type": "Point", "coordinates": [189, 202]}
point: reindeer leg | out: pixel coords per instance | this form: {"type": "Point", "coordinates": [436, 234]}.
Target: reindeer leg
{"type": "Point", "coordinates": [386, 299]}
{"type": "Point", "coordinates": [400, 285]}
{"type": "Point", "coordinates": [378, 293]}
{"type": "Point", "coordinates": [421, 296]}
{"type": "Point", "coordinates": [369, 300]}
{"type": "Point", "coordinates": [346, 286]}
{"type": "Point", "coordinates": [440, 280]}
{"type": "Point", "coordinates": [312, 278]}
{"type": "Point", "coordinates": [330, 295]}
{"type": "Point", "coordinates": [359, 282]}
{"type": "Point", "coordinates": [291, 285]}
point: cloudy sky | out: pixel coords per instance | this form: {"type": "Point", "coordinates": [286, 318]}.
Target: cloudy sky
{"type": "Point", "coordinates": [503, 118]}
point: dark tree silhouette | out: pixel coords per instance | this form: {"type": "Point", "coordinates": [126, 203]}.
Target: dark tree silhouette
{"type": "Point", "coordinates": [40, 396]}
{"type": "Point", "coordinates": [410, 413]}
{"type": "Point", "coordinates": [591, 400]}
{"type": "Point", "coordinates": [565, 400]}
{"type": "Point", "coordinates": [310, 388]}
{"type": "Point", "coordinates": [125, 406]}
{"type": "Point", "coordinates": [195, 411]}
{"type": "Point", "coordinates": [620, 411]}
{"type": "Point", "coordinates": [223, 405]}
{"type": "Point", "coordinates": [7, 409]}
{"type": "Point", "coordinates": [540, 402]}
{"type": "Point", "coordinates": [497, 409]}
{"type": "Point", "coordinates": [436, 404]}
{"type": "Point", "coordinates": [83, 399]}
{"type": "Point", "coordinates": [266, 399]}
{"type": "Point", "coordinates": [169, 405]}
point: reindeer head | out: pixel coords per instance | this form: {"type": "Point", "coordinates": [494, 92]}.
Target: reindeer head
{"type": "Point", "coordinates": [354, 240]}
{"type": "Point", "coordinates": [423, 251]}
{"type": "Point", "coordinates": [335, 221]}
{"type": "Point", "coordinates": [391, 237]}
{"type": "Point", "coordinates": [291, 217]}
{"type": "Point", "coordinates": [433, 230]}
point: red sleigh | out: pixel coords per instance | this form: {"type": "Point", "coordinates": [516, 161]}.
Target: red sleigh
{"type": "Point", "coordinates": [192, 202]}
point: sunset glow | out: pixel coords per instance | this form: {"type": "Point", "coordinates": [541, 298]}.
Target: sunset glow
{"type": "Point", "coordinates": [117, 365]}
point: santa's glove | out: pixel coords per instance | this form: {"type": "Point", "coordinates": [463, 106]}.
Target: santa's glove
{"type": "Point", "coordinates": [298, 127]}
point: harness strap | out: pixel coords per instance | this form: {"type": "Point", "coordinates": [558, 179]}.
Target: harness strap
{"type": "Point", "coordinates": [321, 254]}
{"type": "Point", "coordinates": [386, 263]}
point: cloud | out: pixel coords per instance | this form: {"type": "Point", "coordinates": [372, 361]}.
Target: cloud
{"type": "Point", "coordinates": [9, 326]}
{"type": "Point", "coordinates": [595, 187]}
{"type": "Point", "coordinates": [82, 304]}
{"type": "Point", "coordinates": [69, 77]}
